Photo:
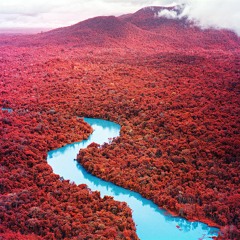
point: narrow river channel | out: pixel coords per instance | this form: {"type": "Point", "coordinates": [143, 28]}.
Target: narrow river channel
{"type": "Point", "coordinates": [152, 223]}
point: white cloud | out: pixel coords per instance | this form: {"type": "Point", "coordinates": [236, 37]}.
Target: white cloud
{"type": "Point", "coordinates": [168, 14]}
{"type": "Point", "coordinates": [174, 13]}
{"type": "Point", "coordinates": [209, 13]}
{"type": "Point", "coordinates": [25, 7]}
{"type": "Point", "coordinates": [56, 13]}
{"type": "Point", "coordinates": [215, 13]}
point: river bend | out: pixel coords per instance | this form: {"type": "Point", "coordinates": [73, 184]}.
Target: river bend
{"type": "Point", "coordinates": [152, 223]}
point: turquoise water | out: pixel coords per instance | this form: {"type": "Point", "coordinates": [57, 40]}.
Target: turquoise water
{"type": "Point", "coordinates": [7, 109]}
{"type": "Point", "coordinates": [151, 222]}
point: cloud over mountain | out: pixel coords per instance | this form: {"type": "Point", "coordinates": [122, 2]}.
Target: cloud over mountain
{"type": "Point", "coordinates": [51, 13]}
{"type": "Point", "coordinates": [214, 13]}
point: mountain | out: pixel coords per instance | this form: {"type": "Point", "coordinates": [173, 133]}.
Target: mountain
{"type": "Point", "coordinates": [149, 29]}
{"type": "Point", "coordinates": [175, 29]}
{"type": "Point", "coordinates": [98, 31]}
{"type": "Point", "coordinates": [148, 18]}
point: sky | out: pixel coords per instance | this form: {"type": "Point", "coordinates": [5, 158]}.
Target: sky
{"type": "Point", "coordinates": [59, 13]}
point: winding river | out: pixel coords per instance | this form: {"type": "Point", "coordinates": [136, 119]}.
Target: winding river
{"type": "Point", "coordinates": [152, 223]}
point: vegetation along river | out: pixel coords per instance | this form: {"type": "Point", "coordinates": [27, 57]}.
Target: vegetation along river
{"type": "Point", "coordinates": [152, 223]}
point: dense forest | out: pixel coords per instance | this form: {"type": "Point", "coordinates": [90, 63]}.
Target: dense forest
{"type": "Point", "coordinates": [177, 103]}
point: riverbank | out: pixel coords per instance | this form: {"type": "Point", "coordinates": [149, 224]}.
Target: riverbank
{"type": "Point", "coordinates": [178, 145]}
{"type": "Point", "coordinates": [146, 215]}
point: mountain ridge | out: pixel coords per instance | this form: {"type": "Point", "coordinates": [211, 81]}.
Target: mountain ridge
{"type": "Point", "coordinates": [146, 29]}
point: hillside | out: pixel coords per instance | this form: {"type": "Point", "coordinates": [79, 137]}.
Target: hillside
{"type": "Point", "coordinates": [174, 89]}
{"type": "Point", "coordinates": [98, 31]}
{"type": "Point", "coordinates": [145, 30]}
{"type": "Point", "coordinates": [178, 32]}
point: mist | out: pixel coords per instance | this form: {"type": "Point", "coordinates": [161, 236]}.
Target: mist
{"type": "Point", "coordinates": [51, 14]}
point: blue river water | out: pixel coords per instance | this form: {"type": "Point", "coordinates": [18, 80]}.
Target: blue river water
{"type": "Point", "coordinates": [152, 223]}
{"type": "Point", "coordinates": [7, 109]}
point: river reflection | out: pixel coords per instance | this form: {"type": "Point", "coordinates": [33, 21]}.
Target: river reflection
{"type": "Point", "coordinates": [152, 222]}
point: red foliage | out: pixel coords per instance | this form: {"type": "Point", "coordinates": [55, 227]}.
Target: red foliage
{"type": "Point", "coordinates": [179, 143]}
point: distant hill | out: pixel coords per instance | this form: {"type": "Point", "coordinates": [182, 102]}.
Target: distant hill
{"type": "Point", "coordinates": [177, 31]}
{"type": "Point", "coordinates": [155, 28]}
{"type": "Point", "coordinates": [147, 18]}
{"type": "Point", "coordinates": [98, 31]}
